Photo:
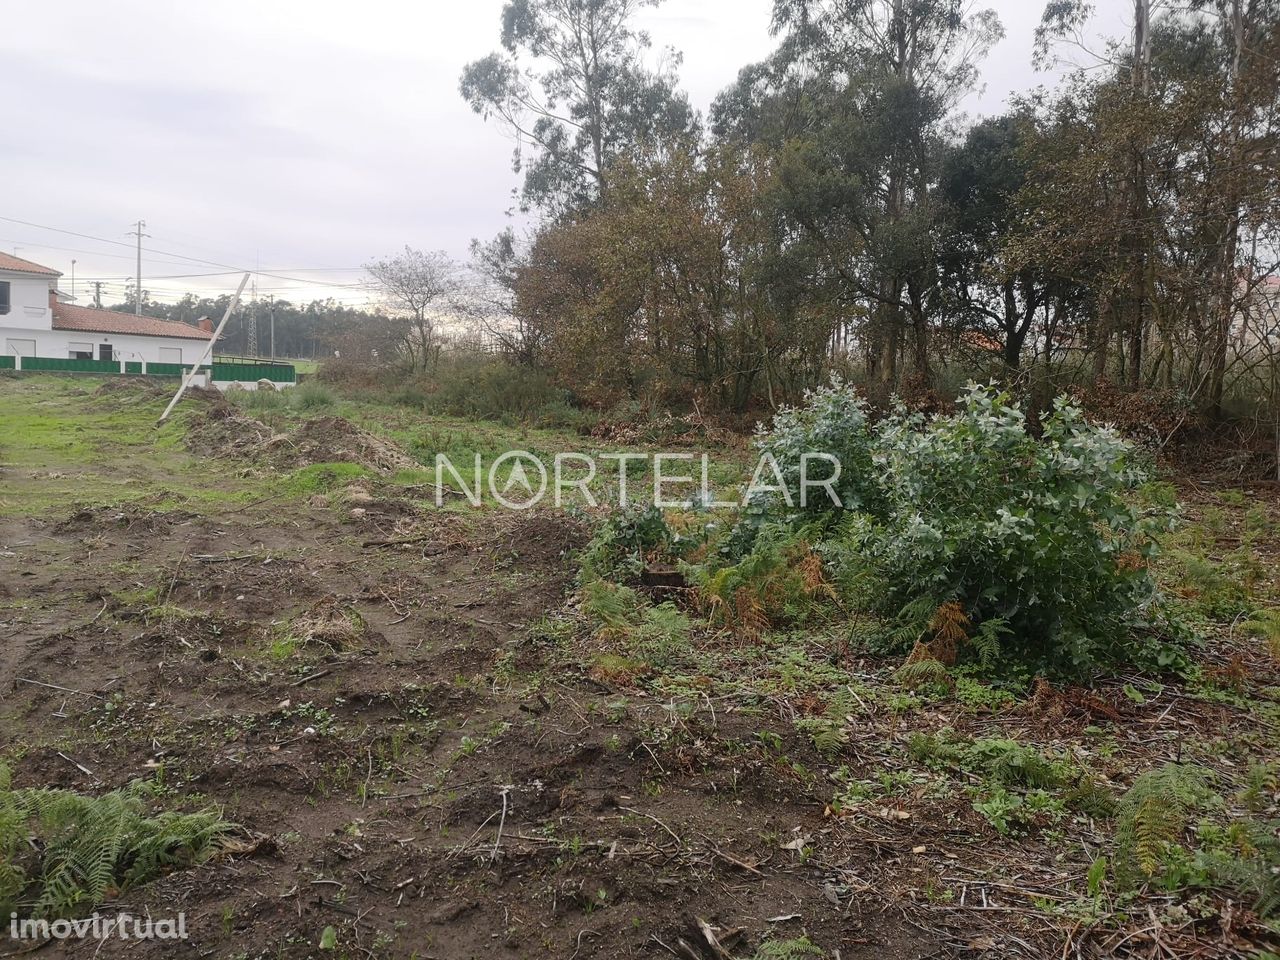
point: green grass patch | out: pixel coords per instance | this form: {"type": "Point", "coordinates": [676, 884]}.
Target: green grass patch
{"type": "Point", "coordinates": [322, 478]}
{"type": "Point", "coordinates": [63, 443]}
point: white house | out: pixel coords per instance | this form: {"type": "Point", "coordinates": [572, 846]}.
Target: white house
{"type": "Point", "coordinates": [36, 323]}
{"type": "Point", "coordinates": [40, 331]}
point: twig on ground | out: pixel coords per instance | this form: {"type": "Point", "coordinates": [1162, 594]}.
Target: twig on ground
{"type": "Point", "coordinates": [506, 789]}
{"type": "Point", "coordinates": [79, 766]}
{"type": "Point", "coordinates": [54, 686]}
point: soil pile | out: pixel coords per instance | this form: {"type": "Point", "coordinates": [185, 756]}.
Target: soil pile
{"type": "Point", "coordinates": [335, 440]}
{"type": "Point", "coordinates": [223, 431]}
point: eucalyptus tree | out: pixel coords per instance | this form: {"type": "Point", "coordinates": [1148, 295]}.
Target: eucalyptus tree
{"type": "Point", "coordinates": [1165, 162]}
{"type": "Point", "coordinates": [982, 183]}
{"type": "Point", "coordinates": [879, 81]}
{"type": "Point", "coordinates": [571, 84]}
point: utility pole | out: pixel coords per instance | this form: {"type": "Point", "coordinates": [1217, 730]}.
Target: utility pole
{"type": "Point", "coordinates": [271, 298]}
{"type": "Point", "coordinates": [73, 280]}
{"type": "Point", "coordinates": [137, 297]}
{"type": "Point", "coordinates": [97, 294]}
{"type": "Point", "coordinates": [251, 338]}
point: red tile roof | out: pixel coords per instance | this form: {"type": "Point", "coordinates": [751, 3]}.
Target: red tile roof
{"type": "Point", "coordinates": [67, 317]}
{"type": "Point", "coordinates": [25, 266]}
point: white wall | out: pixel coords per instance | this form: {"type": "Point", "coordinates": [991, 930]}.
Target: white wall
{"type": "Point", "coordinates": [29, 304]}
{"type": "Point", "coordinates": [55, 344]}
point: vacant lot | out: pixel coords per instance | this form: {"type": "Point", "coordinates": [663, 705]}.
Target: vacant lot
{"type": "Point", "coordinates": [429, 753]}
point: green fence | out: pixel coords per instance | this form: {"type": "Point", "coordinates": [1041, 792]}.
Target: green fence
{"type": "Point", "coordinates": [165, 369]}
{"type": "Point", "coordinates": [70, 366]}
{"type": "Point", "coordinates": [236, 372]}
{"type": "Point", "coordinates": [253, 372]}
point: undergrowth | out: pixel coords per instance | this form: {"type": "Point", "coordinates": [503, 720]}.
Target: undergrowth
{"type": "Point", "coordinates": [62, 853]}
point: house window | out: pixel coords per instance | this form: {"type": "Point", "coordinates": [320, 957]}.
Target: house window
{"type": "Point", "coordinates": [20, 348]}
{"type": "Point", "coordinates": [79, 351]}
{"type": "Point", "coordinates": [171, 355]}
{"type": "Point", "coordinates": [104, 351]}
{"type": "Point", "coordinates": [4, 296]}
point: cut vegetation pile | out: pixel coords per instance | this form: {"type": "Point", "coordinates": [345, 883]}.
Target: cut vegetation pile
{"type": "Point", "coordinates": [223, 431]}
{"type": "Point", "coordinates": [335, 440]}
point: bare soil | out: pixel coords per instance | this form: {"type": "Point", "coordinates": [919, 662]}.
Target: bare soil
{"type": "Point", "coordinates": [374, 768]}
{"type": "Point", "coordinates": [421, 759]}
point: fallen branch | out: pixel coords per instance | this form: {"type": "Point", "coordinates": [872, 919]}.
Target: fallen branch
{"type": "Point", "coordinates": [54, 686]}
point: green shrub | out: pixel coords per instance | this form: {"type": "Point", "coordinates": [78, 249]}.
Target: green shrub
{"type": "Point", "coordinates": [491, 389]}
{"type": "Point", "coordinates": [62, 852]}
{"type": "Point", "coordinates": [621, 543]}
{"type": "Point", "coordinates": [310, 395]}
{"type": "Point", "coordinates": [833, 421]}
{"type": "Point", "coordinates": [258, 402]}
{"type": "Point", "coordinates": [1037, 533]}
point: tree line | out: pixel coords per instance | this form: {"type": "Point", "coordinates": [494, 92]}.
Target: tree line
{"type": "Point", "coordinates": [310, 330]}
{"type": "Point", "coordinates": [833, 211]}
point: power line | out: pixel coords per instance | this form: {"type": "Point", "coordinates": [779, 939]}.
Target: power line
{"type": "Point", "coordinates": [180, 256]}
{"type": "Point", "coordinates": [96, 253]}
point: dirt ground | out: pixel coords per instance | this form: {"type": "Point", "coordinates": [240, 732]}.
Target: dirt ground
{"type": "Point", "coordinates": [378, 696]}
{"type": "Point", "coordinates": [377, 771]}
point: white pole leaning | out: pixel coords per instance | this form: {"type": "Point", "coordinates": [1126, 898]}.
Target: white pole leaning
{"type": "Point", "coordinates": [208, 352]}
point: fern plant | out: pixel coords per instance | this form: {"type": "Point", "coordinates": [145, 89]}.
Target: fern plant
{"type": "Point", "coordinates": [614, 606]}
{"type": "Point", "coordinates": [801, 948]}
{"type": "Point", "coordinates": [1265, 624]}
{"type": "Point", "coordinates": [62, 853]}
{"type": "Point", "coordinates": [1153, 815]}
{"type": "Point", "coordinates": [924, 673]}
{"type": "Point", "coordinates": [829, 731]}
{"type": "Point", "coordinates": [779, 579]}
{"type": "Point", "coordinates": [1247, 862]}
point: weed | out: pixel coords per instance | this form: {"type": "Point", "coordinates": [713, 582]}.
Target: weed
{"type": "Point", "coordinates": [800, 948]}
{"type": "Point", "coordinates": [1265, 624]}
{"type": "Point", "coordinates": [61, 852]}
{"type": "Point", "coordinates": [1153, 815]}
{"type": "Point", "coordinates": [310, 395]}
{"type": "Point", "coordinates": [321, 478]}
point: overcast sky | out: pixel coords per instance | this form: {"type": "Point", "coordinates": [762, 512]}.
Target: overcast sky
{"type": "Point", "coordinates": [303, 138]}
